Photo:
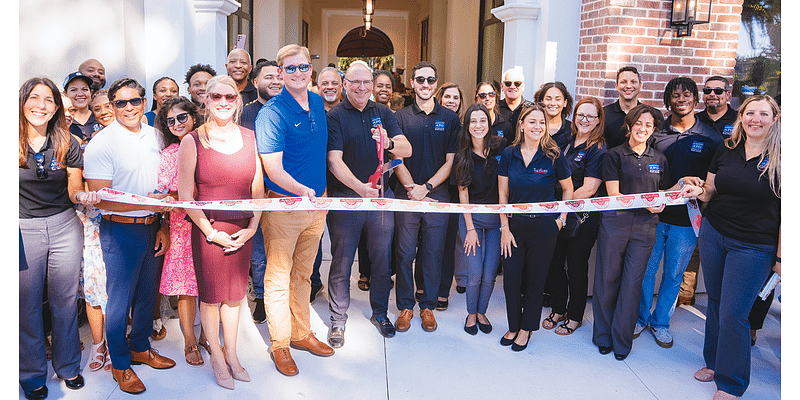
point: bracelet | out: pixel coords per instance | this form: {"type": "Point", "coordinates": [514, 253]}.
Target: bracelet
{"type": "Point", "coordinates": [210, 237]}
{"type": "Point", "coordinates": [703, 188]}
{"type": "Point", "coordinates": [390, 147]}
{"type": "Point", "coordinates": [778, 259]}
{"type": "Point", "coordinates": [504, 225]}
{"type": "Point", "coordinates": [78, 195]}
{"type": "Point", "coordinates": [470, 229]}
{"type": "Point", "coordinates": [563, 221]}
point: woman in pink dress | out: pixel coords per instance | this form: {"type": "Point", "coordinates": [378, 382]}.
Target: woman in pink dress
{"type": "Point", "coordinates": [177, 117]}
{"type": "Point", "coordinates": [219, 161]}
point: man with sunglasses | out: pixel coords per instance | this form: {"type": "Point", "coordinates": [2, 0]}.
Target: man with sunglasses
{"type": "Point", "coordinates": [628, 86]}
{"type": "Point", "coordinates": [513, 85]}
{"type": "Point", "coordinates": [292, 136]}
{"type": "Point", "coordinates": [718, 113]}
{"type": "Point", "coordinates": [431, 129]}
{"type": "Point", "coordinates": [126, 158]}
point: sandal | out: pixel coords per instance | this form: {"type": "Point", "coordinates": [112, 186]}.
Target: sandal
{"type": "Point", "coordinates": [550, 322]}
{"type": "Point", "coordinates": [363, 283]}
{"type": "Point", "coordinates": [192, 350]}
{"type": "Point", "coordinates": [565, 329]}
{"type": "Point", "coordinates": [99, 358]}
{"type": "Point", "coordinates": [204, 344]}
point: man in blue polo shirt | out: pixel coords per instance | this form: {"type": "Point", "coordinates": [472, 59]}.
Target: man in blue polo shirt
{"type": "Point", "coordinates": [353, 128]}
{"type": "Point", "coordinates": [292, 137]}
{"type": "Point", "coordinates": [432, 130]}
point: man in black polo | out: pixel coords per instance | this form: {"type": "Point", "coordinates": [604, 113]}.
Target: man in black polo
{"type": "Point", "coordinates": [268, 83]}
{"type": "Point", "coordinates": [718, 113]}
{"type": "Point", "coordinates": [628, 86]}
{"type": "Point", "coordinates": [239, 65]}
{"type": "Point", "coordinates": [353, 128]}
{"type": "Point", "coordinates": [431, 129]}
{"type": "Point", "coordinates": [513, 85]}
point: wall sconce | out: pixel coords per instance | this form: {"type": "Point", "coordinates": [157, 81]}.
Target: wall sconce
{"type": "Point", "coordinates": [369, 7]}
{"type": "Point", "coordinates": [684, 15]}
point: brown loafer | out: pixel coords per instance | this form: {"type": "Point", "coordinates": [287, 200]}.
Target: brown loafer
{"type": "Point", "coordinates": [151, 358]}
{"type": "Point", "coordinates": [127, 380]}
{"type": "Point", "coordinates": [313, 346]}
{"type": "Point", "coordinates": [158, 335]}
{"type": "Point", "coordinates": [284, 362]}
{"type": "Point", "coordinates": [404, 320]}
{"type": "Point", "coordinates": [428, 321]}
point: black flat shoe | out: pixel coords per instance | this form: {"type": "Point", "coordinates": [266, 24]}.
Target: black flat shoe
{"type": "Point", "coordinates": [417, 296]}
{"type": "Point", "coordinates": [485, 328]}
{"type": "Point", "coordinates": [604, 349]}
{"type": "Point", "coordinates": [461, 289]}
{"type": "Point", "coordinates": [507, 342]}
{"type": "Point", "coordinates": [516, 347]}
{"type": "Point", "coordinates": [40, 393]}
{"type": "Point", "coordinates": [76, 383]}
{"type": "Point", "coordinates": [620, 357]}
{"type": "Point", "coordinates": [441, 305]}
{"type": "Point", "coordinates": [472, 330]}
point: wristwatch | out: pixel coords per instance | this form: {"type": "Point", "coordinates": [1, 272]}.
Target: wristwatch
{"type": "Point", "coordinates": [428, 186]}
{"type": "Point", "coordinates": [390, 147]}
{"type": "Point", "coordinates": [563, 221]}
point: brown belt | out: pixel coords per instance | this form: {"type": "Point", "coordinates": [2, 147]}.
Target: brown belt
{"type": "Point", "coordinates": [131, 220]}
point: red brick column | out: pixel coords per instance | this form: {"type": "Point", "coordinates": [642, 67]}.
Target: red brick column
{"type": "Point", "coordinates": [615, 33]}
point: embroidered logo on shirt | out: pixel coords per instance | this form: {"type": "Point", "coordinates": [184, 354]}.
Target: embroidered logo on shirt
{"type": "Point", "coordinates": [540, 170]}
{"type": "Point", "coordinates": [54, 165]}
{"type": "Point", "coordinates": [654, 168]}
{"type": "Point", "coordinates": [697, 147]}
{"type": "Point", "coordinates": [438, 126]}
{"type": "Point", "coordinates": [498, 158]}
{"type": "Point", "coordinates": [580, 155]}
{"type": "Point", "coordinates": [728, 130]}
{"type": "Point", "coordinates": [761, 166]}
{"type": "Point", "coordinates": [297, 124]}
{"type": "Point", "coordinates": [499, 133]}
{"type": "Point", "coordinates": [97, 126]}
{"type": "Point", "coordinates": [376, 121]}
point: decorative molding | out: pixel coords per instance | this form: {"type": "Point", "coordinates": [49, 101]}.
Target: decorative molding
{"type": "Point", "coordinates": [224, 7]}
{"type": "Point", "coordinates": [515, 11]}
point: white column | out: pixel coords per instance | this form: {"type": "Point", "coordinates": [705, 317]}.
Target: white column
{"type": "Point", "coordinates": [269, 20]}
{"type": "Point", "coordinates": [524, 44]}
{"type": "Point", "coordinates": [462, 42]}
{"type": "Point", "coordinates": [211, 31]}
{"type": "Point", "coordinates": [437, 34]}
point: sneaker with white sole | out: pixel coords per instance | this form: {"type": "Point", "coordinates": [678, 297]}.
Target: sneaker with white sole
{"type": "Point", "coordinates": [663, 337]}
{"type": "Point", "coordinates": [638, 330]}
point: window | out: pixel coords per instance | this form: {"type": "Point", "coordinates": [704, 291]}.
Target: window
{"type": "Point", "coordinates": [423, 43]}
{"type": "Point", "coordinates": [490, 43]}
{"type": "Point", "coordinates": [304, 39]}
{"type": "Point", "coordinates": [241, 23]}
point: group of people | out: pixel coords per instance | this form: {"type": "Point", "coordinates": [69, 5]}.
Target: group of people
{"type": "Point", "coordinates": [260, 132]}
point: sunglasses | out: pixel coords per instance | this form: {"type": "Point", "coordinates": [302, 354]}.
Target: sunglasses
{"type": "Point", "coordinates": [182, 118]}
{"type": "Point", "coordinates": [483, 95]}
{"type": "Point", "coordinates": [136, 102]}
{"type": "Point", "coordinates": [230, 97]}
{"type": "Point", "coordinates": [717, 91]}
{"type": "Point", "coordinates": [421, 79]}
{"type": "Point", "coordinates": [41, 173]}
{"type": "Point", "coordinates": [291, 68]}
{"type": "Point", "coordinates": [516, 83]}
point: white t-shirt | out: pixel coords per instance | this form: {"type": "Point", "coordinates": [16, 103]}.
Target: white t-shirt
{"type": "Point", "coordinates": [129, 160]}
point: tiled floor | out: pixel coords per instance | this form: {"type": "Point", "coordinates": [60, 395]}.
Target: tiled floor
{"type": "Point", "coordinates": [448, 363]}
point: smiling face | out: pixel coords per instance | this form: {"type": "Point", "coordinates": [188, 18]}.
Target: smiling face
{"type": "Point", "coordinates": [513, 91]}
{"type": "Point", "coordinates": [554, 102]}
{"type": "Point", "coordinates": [103, 109]}
{"type": "Point", "coordinates": [297, 81]}
{"type": "Point", "coordinates": [129, 116]}
{"type": "Point", "coordinates": [478, 124]}
{"type": "Point", "coordinates": [628, 85]}
{"type": "Point", "coordinates": [358, 86]}
{"type": "Point", "coordinates": [93, 69]}
{"type": "Point", "coordinates": [425, 90]}
{"type": "Point", "coordinates": [533, 126]}
{"type": "Point", "coordinates": [713, 100]}
{"type": "Point", "coordinates": [330, 86]}
{"type": "Point", "coordinates": [451, 99]}
{"type": "Point", "coordinates": [641, 130]}
{"type": "Point", "coordinates": [197, 86]}
{"type": "Point", "coordinates": [40, 106]}
{"type": "Point", "coordinates": [164, 90]}
{"type": "Point", "coordinates": [238, 65]}
{"type": "Point", "coordinates": [268, 82]}
{"type": "Point", "coordinates": [757, 119]}
{"type": "Point", "coordinates": [585, 112]}
{"type": "Point", "coordinates": [489, 96]}
{"type": "Point", "coordinates": [180, 128]}
{"type": "Point", "coordinates": [382, 89]}
{"type": "Point", "coordinates": [682, 102]}
{"type": "Point", "coordinates": [80, 94]}
{"type": "Point", "coordinates": [221, 109]}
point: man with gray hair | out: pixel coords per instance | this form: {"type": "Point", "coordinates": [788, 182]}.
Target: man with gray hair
{"type": "Point", "coordinates": [330, 87]}
{"type": "Point", "coordinates": [513, 85]}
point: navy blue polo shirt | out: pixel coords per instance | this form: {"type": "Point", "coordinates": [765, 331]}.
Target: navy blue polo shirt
{"type": "Point", "coordinates": [724, 125]}
{"type": "Point", "coordinates": [744, 207]}
{"type": "Point", "coordinates": [249, 114]}
{"type": "Point", "coordinates": [535, 182]}
{"type": "Point", "coordinates": [47, 197]}
{"type": "Point", "coordinates": [282, 125]}
{"type": "Point", "coordinates": [501, 127]}
{"type": "Point", "coordinates": [249, 93]}
{"type": "Point", "coordinates": [511, 117]}
{"type": "Point", "coordinates": [482, 188]}
{"type": "Point", "coordinates": [349, 131]}
{"type": "Point", "coordinates": [583, 162]}
{"type": "Point", "coordinates": [432, 137]}
{"type": "Point", "coordinates": [644, 173]}
{"type": "Point", "coordinates": [86, 130]}
{"type": "Point", "coordinates": [564, 134]}
{"type": "Point", "coordinates": [689, 153]}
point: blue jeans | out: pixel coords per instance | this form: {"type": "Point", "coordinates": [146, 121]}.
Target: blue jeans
{"type": "Point", "coordinates": [676, 243]}
{"type": "Point", "coordinates": [734, 271]}
{"type": "Point", "coordinates": [481, 268]}
{"type": "Point", "coordinates": [258, 263]}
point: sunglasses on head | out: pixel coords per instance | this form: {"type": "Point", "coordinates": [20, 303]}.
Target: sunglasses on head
{"type": "Point", "coordinates": [516, 83]}
{"type": "Point", "coordinates": [483, 95]}
{"type": "Point", "coordinates": [717, 91]}
{"type": "Point", "coordinates": [230, 97]}
{"type": "Point", "coordinates": [421, 79]}
{"type": "Point", "coordinates": [181, 118]}
{"type": "Point", "coordinates": [291, 68]}
{"type": "Point", "coordinates": [136, 102]}
{"type": "Point", "coordinates": [41, 173]}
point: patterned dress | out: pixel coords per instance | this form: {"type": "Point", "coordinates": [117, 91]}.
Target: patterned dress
{"type": "Point", "coordinates": [177, 277]}
{"type": "Point", "coordinates": [94, 268]}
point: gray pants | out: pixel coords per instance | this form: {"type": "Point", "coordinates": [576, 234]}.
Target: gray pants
{"type": "Point", "coordinates": [54, 250]}
{"type": "Point", "coordinates": [623, 249]}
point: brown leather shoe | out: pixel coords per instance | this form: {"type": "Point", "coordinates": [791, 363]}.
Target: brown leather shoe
{"type": "Point", "coordinates": [404, 320]}
{"type": "Point", "coordinates": [151, 358]}
{"type": "Point", "coordinates": [428, 321]}
{"type": "Point", "coordinates": [284, 362]}
{"type": "Point", "coordinates": [128, 381]}
{"type": "Point", "coordinates": [313, 346]}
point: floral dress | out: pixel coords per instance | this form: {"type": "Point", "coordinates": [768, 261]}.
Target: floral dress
{"type": "Point", "coordinates": [177, 276]}
{"type": "Point", "coordinates": [93, 267]}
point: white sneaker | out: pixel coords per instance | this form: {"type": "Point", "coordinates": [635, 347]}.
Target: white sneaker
{"type": "Point", "coordinates": [638, 330]}
{"type": "Point", "coordinates": [663, 337]}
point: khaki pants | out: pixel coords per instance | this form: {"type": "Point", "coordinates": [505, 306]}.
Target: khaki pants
{"type": "Point", "coordinates": [291, 240]}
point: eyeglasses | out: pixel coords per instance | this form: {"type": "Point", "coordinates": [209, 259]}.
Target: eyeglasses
{"type": "Point", "coordinates": [291, 68]}
{"type": "Point", "coordinates": [421, 79]}
{"type": "Point", "coordinates": [230, 97]}
{"type": "Point", "coordinates": [182, 118]}
{"type": "Point", "coordinates": [586, 117]}
{"type": "Point", "coordinates": [365, 82]}
{"type": "Point", "coordinates": [41, 173]}
{"type": "Point", "coordinates": [516, 83]}
{"type": "Point", "coordinates": [136, 102]}
{"type": "Point", "coordinates": [717, 91]}
{"type": "Point", "coordinates": [483, 95]}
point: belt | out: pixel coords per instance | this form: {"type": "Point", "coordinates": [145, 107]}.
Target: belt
{"type": "Point", "coordinates": [131, 220]}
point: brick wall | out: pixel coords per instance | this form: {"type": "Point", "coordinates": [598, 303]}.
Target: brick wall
{"type": "Point", "coordinates": [615, 33]}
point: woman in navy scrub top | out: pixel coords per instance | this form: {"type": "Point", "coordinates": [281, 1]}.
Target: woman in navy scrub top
{"type": "Point", "coordinates": [528, 173]}
{"type": "Point", "coordinates": [740, 239]}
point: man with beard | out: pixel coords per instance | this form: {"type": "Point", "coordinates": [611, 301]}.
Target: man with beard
{"type": "Point", "coordinates": [239, 67]}
{"type": "Point", "coordinates": [718, 113]}
{"type": "Point", "coordinates": [268, 83]}
{"type": "Point", "coordinates": [382, 90]}
{"type": "Point", "coordinates": [330, 87]}
{"type": "Point", "coordinates": [93, 69]}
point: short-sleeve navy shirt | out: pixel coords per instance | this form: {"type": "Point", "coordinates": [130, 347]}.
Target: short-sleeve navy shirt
{"type": "Point", "coordinates": [564, 134]}
{"type": "Point", "coordinates": [432, 137]}
{"type": "Point", "coordinates": [644, 173]}
{"type": "Point", "coordinates": [535, 182]}
{"type": "Point", "coordinates": [501, 127]}
{"type": "Point", "coordinates": [724, 125]}
{"type": "Point", "coordinates": [483, 186]}
{"type": "Point", "coordinates": [46, 197]}
{"type": "Point", "coordinates": [584, 161]}
{"type": "Point", "coordinates": [349, 131]}
{"type": "Point", "coordinates": [249, 114]}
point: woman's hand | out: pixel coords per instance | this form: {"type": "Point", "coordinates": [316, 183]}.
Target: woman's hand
{"type": "Point", "coordinates": [506, 241]}
{"type": "Point", "coordinates": [470, 241]}
{"type": "Point", "coordinates": [559, 223]}
{"type": "Point", "coordinates": [656, 210]}
{"type": "Point", "coordinates": [692, 180]}
{"type": "Point", "coordinates": [241, 237]}
{"type": "Point", "coordinates": [692, 190]}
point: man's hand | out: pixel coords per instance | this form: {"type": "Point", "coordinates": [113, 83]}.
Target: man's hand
{"type": "Point", "coordinates": [162, 241]}
{"type": "Point", "coordinates": [365, 190]}
{"type": "Point", "coordinates": [416, 192]}
{"type": "Point", "coordinates": [161, 196]}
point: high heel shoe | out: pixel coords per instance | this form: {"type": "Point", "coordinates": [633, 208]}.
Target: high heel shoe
{"type": "Point", "coordinates": [239, 375]}
{"type": "Point", "coordinates": [472, 330]}
{"type": "Point", "coordinates": [508, 342]}
{"type": "Point", "coordinates": [223, 378]}
{"type": "Point", "coordinates": [517, 347]}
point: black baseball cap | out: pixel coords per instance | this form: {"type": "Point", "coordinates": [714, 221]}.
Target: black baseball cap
{"type": "Point", "coordinates": [77, 75]}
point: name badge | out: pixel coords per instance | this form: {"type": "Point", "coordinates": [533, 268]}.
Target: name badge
{"type": "Point", "coordinates": [53, 164]}
{"type": "Point", "coordinates": [763, 164]}
{"type": "Point", "coordinates": [697, 147]}
{"type": "Point", "coordinates": [728, 130]}
{"type": "Point", "coordinates": [499, 133]}
{"type": "Point", "coordinates": [654, 168]}
{"type": "Point", "coordinates": [579, 156]}
{"type": "Point", "coordinates": [376, 121]}
{"type": "Point", "coordinates": [439, 126]}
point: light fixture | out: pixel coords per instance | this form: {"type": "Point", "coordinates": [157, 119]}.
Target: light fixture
{"type": "Point", "coordinates": [684, 15]}
{"type": "Point", "coordinates": [369, 7]}
{"type": "Point", "coordinates": [367, 25]}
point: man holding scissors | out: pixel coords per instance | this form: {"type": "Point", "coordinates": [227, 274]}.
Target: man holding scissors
{"type": "Point", "coordinates": [355, 126]}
